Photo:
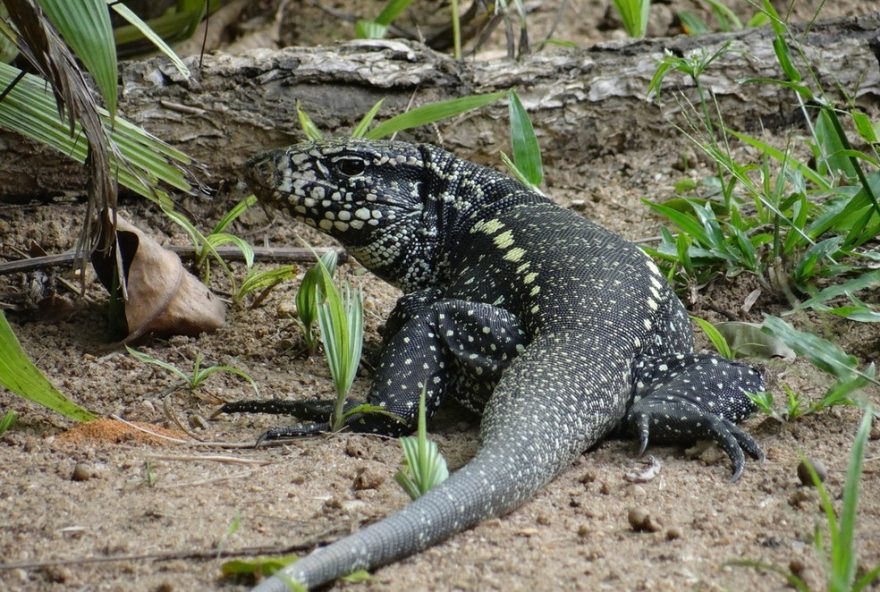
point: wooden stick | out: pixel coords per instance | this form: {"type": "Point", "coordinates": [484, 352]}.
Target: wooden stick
{"type": "Point", "coordinates": [265, 254]}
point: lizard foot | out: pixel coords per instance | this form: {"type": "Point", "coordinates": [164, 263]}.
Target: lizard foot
{"type": "Point", "coordinates": [685, 397]}
{"type": "Point", "coordinates": [680, 421]}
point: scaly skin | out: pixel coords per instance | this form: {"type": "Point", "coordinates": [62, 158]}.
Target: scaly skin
{"type": "Point", "coordinates": [557, 330]}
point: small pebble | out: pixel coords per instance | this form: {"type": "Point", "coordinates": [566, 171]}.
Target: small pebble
{"type": "Point", "coordinates": [584, 531]}
{"type": "Point", "coordinates": [673, 533]}
{"type": "Point", "coordinates": [804, 475]}
{"type": "Point", "coordinates": [368, 478]}
{"type": "Point", "coordinates": [641, 520]}
{"type": "Point", "coordinates": [82, 472]}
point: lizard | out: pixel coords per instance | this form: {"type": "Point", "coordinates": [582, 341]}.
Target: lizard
{"type": "Point", "coordinates": [555, 329]}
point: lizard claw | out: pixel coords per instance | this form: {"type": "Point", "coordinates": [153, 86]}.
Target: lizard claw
{"type": "Point", "coordinates": [676, 421]}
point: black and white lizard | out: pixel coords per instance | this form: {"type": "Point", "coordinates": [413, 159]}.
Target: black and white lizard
{"type": "Point", "coordinates": [555, 329]}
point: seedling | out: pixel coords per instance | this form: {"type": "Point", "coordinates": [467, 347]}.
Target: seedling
{"type": "Point", "coordinates": [206, 245]}
{"type": "Point", "coordinates": [198, 375]}
{"type": "Point", "coordinates": [264, 282]}
{"type": "Point", "coordinates": [307, 299]}
{"type": "Point", "coordinates": [423, 466]}
{"type": "Point", "coordinates": [341, 318]}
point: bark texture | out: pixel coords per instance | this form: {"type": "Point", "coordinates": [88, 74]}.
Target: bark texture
{"type": "Point", "coordinates": [583, 102]}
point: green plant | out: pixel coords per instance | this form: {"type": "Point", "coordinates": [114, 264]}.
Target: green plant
{"type": "Point", "coordinates": [264, 281]}
{"type": "Point", "coordinates": [634, 14]}
{"type": "Point", "coordinates": [787, 222]}
{"type": "Point", "coordinates": [341, 318]}
{"type": "Point", "coordinates": [8, 421]}
{"type": "Point", "coordinates": [423, 466]}
{"type": "Point", "coordinates": [838, 551]}
{"type": "Point", "coordinates": [714, 335]}
{"type": "Point", "coordinates": [197, 376]}
{"type": "Point", "coordinates": [307, 299]}
{"type": "Point", "coordinates": [19, 375]}
{"type": "Point", "coordinates": [424, 115]}
{"type": "Point", "coordinates": [377, 28]}
{"type": "Point", "coordinates": [150, 477]}
{"type": "Point", "coordinates": [526, 165]}
{"type": "Point", "coordinates": [827, 357]}
{"type": "Point", "coordinates": [206, 245]}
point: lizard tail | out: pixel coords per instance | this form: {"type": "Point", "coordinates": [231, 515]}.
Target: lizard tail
{"type": "Point", "coordinates": [526, 443]}
{"type": "Point", "coordinates": [463, 500]}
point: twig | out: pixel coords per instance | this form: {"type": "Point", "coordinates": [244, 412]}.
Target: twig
{"type": "Point", "coordinates": [210, 457]}
{"type": "Point", "coordinates": [204, 444]}
{"type": "Point", "coordinates": [209, 481]}
{"type": "Point", "coordinates": [200, 554]}
{"type": "Point", "coordinates": [266, 254]}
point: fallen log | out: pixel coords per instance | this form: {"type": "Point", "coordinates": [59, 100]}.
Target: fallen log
{"type": "Point", "coordinates": [584, 102]}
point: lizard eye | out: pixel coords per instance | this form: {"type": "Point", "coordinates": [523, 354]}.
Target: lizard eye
{"type": "Point", "coordinates": [350, 167]}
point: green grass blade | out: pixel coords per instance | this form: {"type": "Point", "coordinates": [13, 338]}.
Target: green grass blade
{"type": "Point", "coordinates": [8, 421]}
{"type": "Point", "coordinates": [366, 120]}
{"type": "Point", "coordinates": [392, 10]}
{"type": "Point", "coordinates": [715, 337]}
{"type": "Point", "coordinates": [864, 281]}
{"type": "Point", "coordinates": [19, 375]}
{"type": "Point", "coordinates": [203, 374]}
{"type": "Point", "coordinates": [431, 113]}
{"type": "Point", "coordinates": [821, 352]}
{"type": "Point", "coordinates": [526, 151]}
{"type": "Point", "coordinates": [236, 211]}
{"type": "Point", "coordinates": [224, 238]}
{"type": "Point", "coordinates": [843, 564]}
{"type": "Point", "coordinates": [85, 26]}
{"type": "Point", "coordinates": [148, 359]}
{"type": "Point", "coordinates": [308, 126]}
{"type": "Point", "coordinates": [133, 19]}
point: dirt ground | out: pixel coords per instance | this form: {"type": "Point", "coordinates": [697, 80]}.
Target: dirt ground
{"type": "Point", "coordinates": [110, 509]}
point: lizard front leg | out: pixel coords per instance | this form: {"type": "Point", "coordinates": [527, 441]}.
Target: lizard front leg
{"type": "Point", "coordinates": [445, 346]}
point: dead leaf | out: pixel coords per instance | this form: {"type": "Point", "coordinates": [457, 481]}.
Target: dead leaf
{"type": "Point", "coordinates": [161, 296]}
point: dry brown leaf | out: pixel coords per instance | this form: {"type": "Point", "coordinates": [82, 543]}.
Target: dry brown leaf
{"type": "Point", "coordinates": [162, 297]}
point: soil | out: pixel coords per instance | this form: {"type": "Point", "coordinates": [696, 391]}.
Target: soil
{"type": "Point", "coordinates": [103, 507]}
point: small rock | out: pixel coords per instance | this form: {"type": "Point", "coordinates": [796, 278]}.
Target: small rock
{"type": "Point", "coordinates": [353, 506]}
{"type": "Point", "coordinates": [797, 567]}
{"type": "Point", "coordinates": [636, 491]}
{"type": "Point", "coordinates": [605, 488]}
{"type": "Point", "coordinates": [641, 520]}
{"type": "Point", "coordinates": [578, 204]}
{"type": "Point", "coordinates": [356, 448]}
{"type": "Point", "coordinates": [673, 533]}
{"type": "Point", "coordinates": [875, 432]}
{"type": "Point", "coordinates": [368, 478]}
{"type": "Point", "coordinates": [804, 475]}
{"type": "Point", "coordinates": [543, 520]}
{"type": "Point", "coordinates": [82, 472]}
{"type": "Point", "coordinates": [588, 477]}
{"type": "Point", "coordinates": [584, 531]}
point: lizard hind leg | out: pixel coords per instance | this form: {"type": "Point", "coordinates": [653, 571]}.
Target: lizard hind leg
{"type": "Point", "coordinates": [685, 397]}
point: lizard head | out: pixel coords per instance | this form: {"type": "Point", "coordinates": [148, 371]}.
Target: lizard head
{"type": "Point", "coordinates": [373, 197]}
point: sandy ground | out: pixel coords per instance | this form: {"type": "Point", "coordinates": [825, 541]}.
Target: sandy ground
{"type": "Point", "coordinates": [105, 509]}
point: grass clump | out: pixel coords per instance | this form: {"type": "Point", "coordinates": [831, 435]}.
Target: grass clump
{"type": "Point", "coordinates": [423, 466]}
